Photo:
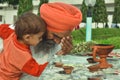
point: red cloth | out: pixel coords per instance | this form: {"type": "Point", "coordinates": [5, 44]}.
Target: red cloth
{"type": "Point", "coordinates": [16, 57]}
{"type": "Point", "coordinates": [31, 67]}
{"type": "Point", "coordinates": [60, 16]}
{"type": "Point", "coordinates": [77, 27]}
{"type": "Point", "coordinates": [5, 32]}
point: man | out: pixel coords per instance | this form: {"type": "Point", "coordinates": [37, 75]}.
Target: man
{"type": "Point", "coordinates": [61, 19]}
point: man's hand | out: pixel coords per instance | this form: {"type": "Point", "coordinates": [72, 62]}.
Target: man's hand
{"type": "Point", "coordinates": [66, 44]}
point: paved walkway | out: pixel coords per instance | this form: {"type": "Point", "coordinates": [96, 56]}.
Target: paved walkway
{"type": "Point", "coordinates": [116, 50]}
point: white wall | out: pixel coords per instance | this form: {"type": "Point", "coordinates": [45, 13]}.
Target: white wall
{"type": "Point", "coordinates": [100, 25]}
{"type": "Point", "coordinates": [36, 2]}
{"type": "Point", "coordinates": [68, 1]}
{"type": "Point", "coordinates": [109, 1]}
{"type": "Point", "coordinates": [8, 15]}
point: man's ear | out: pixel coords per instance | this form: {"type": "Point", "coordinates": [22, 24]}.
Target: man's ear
{"type": "Point", "coordinates": [26, 37]}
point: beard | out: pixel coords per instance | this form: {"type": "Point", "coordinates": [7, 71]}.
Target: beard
{"type": "Point", "coordinates": [45, 45]}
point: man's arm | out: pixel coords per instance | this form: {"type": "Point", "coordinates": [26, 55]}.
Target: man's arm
{"type": "Point", "coordinates": [5, 31]}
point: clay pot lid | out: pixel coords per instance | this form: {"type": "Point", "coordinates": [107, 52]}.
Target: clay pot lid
{"type": "Point", "coordinates": [58, 64]}
{"type": "Point", "coordinates": [94, 78]}
{"type": "Point", "coordinates": [68, 69]}
{"type": "Point", "coordinates": [91, 60]}
{"type": "Point", "coordinates": [93, 68]}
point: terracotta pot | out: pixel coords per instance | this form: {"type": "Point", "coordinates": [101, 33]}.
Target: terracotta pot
{"type": "Point", "coordinates": [68, 69]}
{"type": "Point", "coordinates": [58, 64]}
{"type": "Point", "coordinates": [91, 60]}
{"type": "Point", "coordinates": [94, 78]}
{"type": "Point", "coordinates": [89, 54]}
{"type": "Point", "coordinates": [93, 68]}
{"type": "Point", "coordinates": [102, 50]}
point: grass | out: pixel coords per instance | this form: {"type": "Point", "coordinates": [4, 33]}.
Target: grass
{"type": "Point", "coordinates": [99, 35]}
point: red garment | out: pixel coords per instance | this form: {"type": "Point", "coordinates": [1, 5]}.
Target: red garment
{"type": "Point", "coordinates": [16, 57]}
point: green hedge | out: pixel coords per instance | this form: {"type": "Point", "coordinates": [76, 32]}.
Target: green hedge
{"type": "Point", "coordinates": [114, 40]}
{"type": "Point", "coordinates": [100, 35]}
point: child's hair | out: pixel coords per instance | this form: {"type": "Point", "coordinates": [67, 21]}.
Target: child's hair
{"type": "Point", "coordinates": [29, 23]}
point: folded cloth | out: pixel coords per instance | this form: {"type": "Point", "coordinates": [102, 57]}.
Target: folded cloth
{"type": "Point", "coordinates": [60, 16]}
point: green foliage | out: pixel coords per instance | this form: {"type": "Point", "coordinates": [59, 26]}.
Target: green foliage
{"type": "Point", "coordinates": [41, 2]}
{"type": "Point", "coordinates": [83, 47]}
{"type": "Point", "coordinates": [104, 33]}
{"type": "Point", "coordinates": [100, 12]}
{"type": "Point", "coordinates": [98, 35]}
{"type": "Point", "coordinates": [12, 2]}
{"type": "Point", "coordinates": [84, 11]}
{"type": "Point", "coordinates": [24, 6]}
{"type": "Point", "coordinates": [116, 15]}
{"type": "Point", "coordinates": [78, 35]}
{"type": "Point", "coordinates": [2, 1]}
{"type": "Point", "coordinates": [114, 41]}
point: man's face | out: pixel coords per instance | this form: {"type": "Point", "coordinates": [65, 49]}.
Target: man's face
{"type": "Point", "coordinates": [57, 36]}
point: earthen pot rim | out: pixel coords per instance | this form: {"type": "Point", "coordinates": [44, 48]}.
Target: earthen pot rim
{"type": "Point", "coordinates": [67, 67]}
{"type": "Point", "coordinates": [103, 46]}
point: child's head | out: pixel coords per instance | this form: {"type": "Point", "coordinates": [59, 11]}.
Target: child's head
{"type": "Point", "coordinates": [30, 28]}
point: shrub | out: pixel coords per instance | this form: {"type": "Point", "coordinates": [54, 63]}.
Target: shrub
{"type": "Point", "coordinates": [114, 41]}
{"type": "Point", "coordinates": [99, 35]}
{"type": "Point", "coordinates": [83, 47]}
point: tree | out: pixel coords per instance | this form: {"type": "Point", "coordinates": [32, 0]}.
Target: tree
{"type": "Point", "coordinates": [116, 14]}
{"type": "Point", "coordinates": [84, 11]}
{"type": "Point", "coordinates": [24, 6]}
{"type": "Point", "coordinates": [100, 12]}
{"type": "Point", "coordinates": [41, 2]}
{"type": "Point", "coordinates": [11, 2]}
{"type": "Point", "coordinates": [2, 1]}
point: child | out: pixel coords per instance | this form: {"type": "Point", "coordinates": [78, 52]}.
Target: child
{"type": "Point", "coordinates": [16, 57]}
{"type": "Point", "coordinates": [61, 19]}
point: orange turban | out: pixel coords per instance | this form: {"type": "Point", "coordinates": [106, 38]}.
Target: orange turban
{"type": "Point", "coordinates": [60, 16]}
